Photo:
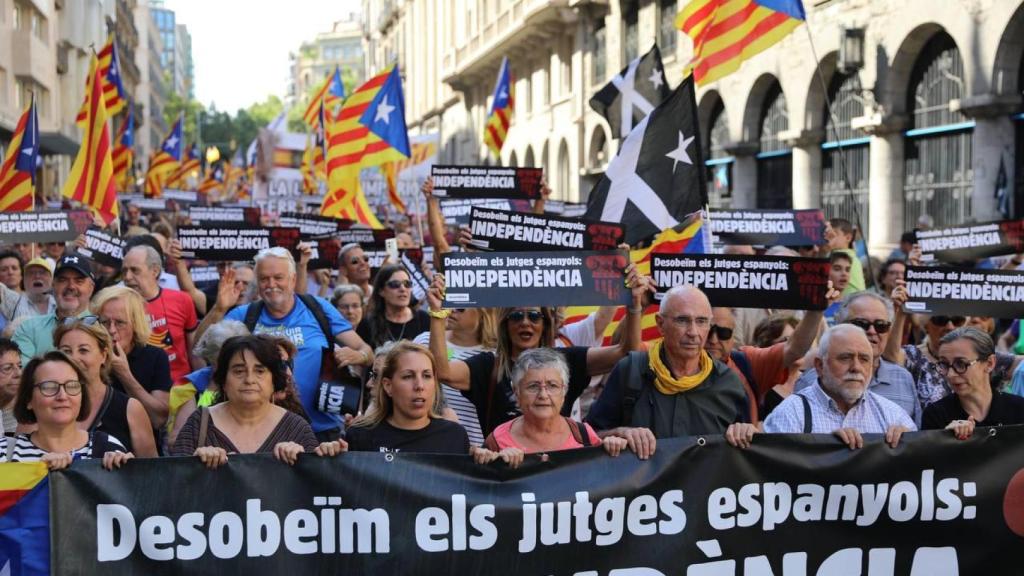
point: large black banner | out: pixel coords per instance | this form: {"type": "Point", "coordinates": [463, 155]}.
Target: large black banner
{"type": "Point", "coordinates": [224, 216]}
{"type": "Point", "coordinates": [791, 505]}
{"type": "Point", "coordinates": [496, 279]}
{"type": "Point", "coordinates": [505, 231]}
{"type": "Point", "coordinates": [486, 182]}
{"type": "Point", "coordinates": [237, 243]}
{"type": "Point", "coordinates": [43, 226]}
{"type": "Point", "coordinates": [769, 227]}
{"type": "Point", "coordinates": [971, 242]}
{"type": "Point", "coordinates": [965, 291]}
{"type": "Point", "coordinates": [747, 281]}
{"type": "Point", "coordinates": [456, 210]}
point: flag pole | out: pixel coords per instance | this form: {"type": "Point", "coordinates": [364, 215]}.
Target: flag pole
{"type": "Point", "coordinates": [839, 146]}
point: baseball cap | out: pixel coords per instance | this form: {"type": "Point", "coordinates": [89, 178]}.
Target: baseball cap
{"type": "Point", "coordinates": [42, 263]}
{"type": "Point", "coordinates": [76, 262]}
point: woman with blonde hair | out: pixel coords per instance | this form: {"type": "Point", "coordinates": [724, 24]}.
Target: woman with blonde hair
{"type": "Point", "coordinates": [137, 368]}
{"type": "Point", "coordinates": [85, 341]}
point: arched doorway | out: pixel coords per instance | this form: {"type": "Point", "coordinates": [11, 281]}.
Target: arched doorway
{"type": "Point", "coordinates": [775, 159]}
{"type": "Point", "coordinates": [938, 151]}
{"type": "Point", "coordinates": [843, 143]}
{"type": "Point", "coordinates": [564, 173]}
{"type": "Point", "coordinates": [719, 163]}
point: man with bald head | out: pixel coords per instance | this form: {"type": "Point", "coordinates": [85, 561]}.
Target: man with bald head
{"type": "Point", "coordinates": [839, 402]}
{"type": "Point", "coordinates": [674, 389]}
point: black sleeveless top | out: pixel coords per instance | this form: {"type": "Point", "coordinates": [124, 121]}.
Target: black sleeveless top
{"type": "Point", "coordinates": [112, 417]}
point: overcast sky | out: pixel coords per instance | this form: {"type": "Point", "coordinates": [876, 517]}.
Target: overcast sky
{"type": "Point", "coordinates": [240, 47]}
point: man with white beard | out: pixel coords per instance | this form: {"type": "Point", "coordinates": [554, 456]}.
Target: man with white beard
{"type": "Point", "coordinates": [840, 403]}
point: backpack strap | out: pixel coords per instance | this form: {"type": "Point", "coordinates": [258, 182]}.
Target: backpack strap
{"type": "Point", "coordinates": [807, 414]}
{"type": "Point", "coordinates": [578, 431]}
{"type": "Point", "coordinates": [321, 318]}
{"type": "Point", "coordinates": [204, 425]}
{"type": "Point", "coordinates": [252, 314]}
{"type": "Point", "coordinates": [633, 385]}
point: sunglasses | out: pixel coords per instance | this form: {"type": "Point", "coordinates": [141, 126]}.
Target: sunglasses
{"type": "Point", "coordinates": [880, 326]}
{"type": "Point", "coordinates": [959, 366]}
{"type": "Point", "coordinates": [85, 320]}
{"type": "Point", "coordinates": [50, 388]}
{"type": "Point", "coordinates": [534, 316]}
{"type": "Point", "coordinates": [723, 333]}
{"type": "Point", "coordinates": [396, 284]}
{"type": "Point", "coordinates": [940, 321]}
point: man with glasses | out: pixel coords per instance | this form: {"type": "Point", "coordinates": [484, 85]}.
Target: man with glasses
{"type": "Point", "coordinates": [354, 265]}
{"type": "Point", "coordinates": [674, 389]}
{"type": "Point", "coordinates": [10, 376]}
{"type": "Point", "coordinates": [873, 314]}
{"type": "Point", "coordinates": [73, 285]}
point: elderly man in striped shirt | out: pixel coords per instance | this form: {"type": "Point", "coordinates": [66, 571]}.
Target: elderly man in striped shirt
{"type": "Point", "coordinates": [840, 403]}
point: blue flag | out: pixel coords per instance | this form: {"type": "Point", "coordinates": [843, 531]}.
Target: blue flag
{"type": "Point", "coordinates": [28, 152]}
{"type": "Point", "coordinates": [385, 116]}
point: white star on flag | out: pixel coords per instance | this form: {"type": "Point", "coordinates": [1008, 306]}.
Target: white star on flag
{"type": "Point", "coordinates": [171, 142]}
{"type": "Point", "coordinates": [655, 78]}
{"type": "Point", "coordinates": [679, 154]}
{"type": "Point", "coordinates": [383, 111]}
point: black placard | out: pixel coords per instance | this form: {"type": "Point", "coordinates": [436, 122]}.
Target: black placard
{"type": "Point", "coordinates": [495, 279]}
{"type": "Point", "coordinates": [365, 237]}
{"type": "Point", "coordinates": [504, 231]}
{"type": "Point", "coordinates": [486, 182]}
{"type": "Point", "coordinates": [205, 276]}
{"type": "Point", "coordinates": [965, 291]}
{"type": "Point", "coordinates": [184, 197]}
{"type": "Point", "coordinates": [222, 216]}
{"type": "Point", "coordinates": [233, 244]}
{"type": "Point", "coordinates": [769, 227]}
{"type": "Point", "coordinates": [971, 241]}
{"type": "Point", "coordinates": [313, 224]}
{"type": "Point", "coordinates": [412, 260]}
{"type": "Point", "coordinates": [43, 226]}
{"type": "Point", "coordinates": [325, 254]}
{"type": "Point", "coordinates": [933, 506]}
{"type": "Point", "coordinates": [747, 281]}
{"type": "Point", "coordinates": [103, 248]}
{"type": "Point", "coordinates": [456, 210]}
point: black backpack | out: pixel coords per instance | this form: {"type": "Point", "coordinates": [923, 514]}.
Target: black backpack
{"type": "Point", "coordinates": [252, 315]}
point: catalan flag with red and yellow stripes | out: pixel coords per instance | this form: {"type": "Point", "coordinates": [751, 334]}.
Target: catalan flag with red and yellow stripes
{"type": "Point", "coordinates": [164, 162]}
{"type": "Point", "coordinates": [18, 172]}
{"type": "Point", "coordinates": [124, 154]}
{"type": "Point", "coordinates": [500, 116]}
{"type": "Point", "coordinates": [24, 518]}
{"type": "Point", "coordinates": [727, 32]}
{"type": "Point", "coordinates": [688, 237]}
{"type": "Point", "coordinates": [328, 95]}
{"type": "Point", "coordinates": [91, 180]}
{"type": "Point", "coordinates": [110, 80]}
{"type": "Point", "coordinates": [369, 130]}
{"type": "Point", "coordinates": [191, 167]}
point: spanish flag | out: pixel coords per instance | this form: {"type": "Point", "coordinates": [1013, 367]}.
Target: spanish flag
{"type": "Point", "coordinates": [110, 81]}
{"type": "Point", "coordinates": [18, 172]}
{"type": "Point", "coordinates": [91, 180]}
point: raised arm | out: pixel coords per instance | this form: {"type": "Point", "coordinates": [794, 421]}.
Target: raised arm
{"type": "Point", "coordinates": [600, 360]}
{"type": "Point", "coordinates": [181, 272]}
{"type": "Point", "coordinates": [807, 329]}
{"type": "Point", "coordinates": [454, 373]}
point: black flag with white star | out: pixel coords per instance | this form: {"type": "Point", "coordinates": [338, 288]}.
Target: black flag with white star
{"type": "Point", "coordinates": [658, 177]}
{"type": "Point", "coordinates": [631, 95]}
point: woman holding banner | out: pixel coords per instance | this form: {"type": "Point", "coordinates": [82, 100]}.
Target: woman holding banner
{"type": "Point", "coordinates": [54, 398]}
{"type": "Point", "coordinates": [487, 377]}
{"type": "Point", "coordinates": [539, 381]}
{"type": "Point", "coordinates": [966, 358]}
{"type": "Point", "coordinates": [390, 315]}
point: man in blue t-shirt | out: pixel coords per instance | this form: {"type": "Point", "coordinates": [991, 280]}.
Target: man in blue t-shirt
{"type": "Point", "coordinates": [284, 314]}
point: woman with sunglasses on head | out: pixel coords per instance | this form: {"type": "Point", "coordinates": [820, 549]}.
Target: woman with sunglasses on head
{"type": "Point", "coordinates": [390, 316]}
{"type": "Point", "coordinates": [487, 377]}
{"type": "Point", "coordinates": [54, 399]}
{"type": "Point", "coordinates": [966, 357]}
{"type": "Point", "coordinates": [87, 342]}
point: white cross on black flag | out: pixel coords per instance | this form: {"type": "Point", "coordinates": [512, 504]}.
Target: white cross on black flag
{"type": "Point", "coordinates": [631, 95]}
{"type": "Point", "coordinates": [658, 176]}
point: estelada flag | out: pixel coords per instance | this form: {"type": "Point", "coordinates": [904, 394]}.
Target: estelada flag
{"type": "Point", "coordinates": [18, 170]}
{"type": "Point", "coordinates": [110, 82]}
{"type": "Point", "coordinates": [24, 519]}
{"type": "Point", "coordinates": [91, 179]}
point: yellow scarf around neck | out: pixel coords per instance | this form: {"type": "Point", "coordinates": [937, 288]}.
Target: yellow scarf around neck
{"type": "Point", "coordinates": [666, 383]}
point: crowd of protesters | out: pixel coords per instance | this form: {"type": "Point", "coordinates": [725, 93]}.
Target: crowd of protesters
{"type": "Point", "coordinates": [143, 362]}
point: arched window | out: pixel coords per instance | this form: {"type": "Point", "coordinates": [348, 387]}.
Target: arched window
{"type": "Point", "coordinates": [775, 160]}
{"type": "Point", "coordinates": [528, 161]}
{"type": "Point", "coordinates": [512, 160]}
{"type": "Point", "coordinates": [938, 154]}
{"type": "Point", "coordinates": [598, 157]}
{"type": "Point", "coordinates": [564, 173]}
{"type": "Point", "coordinates": [845, 148]}
{"type": "Point", "coordinates": [719, 162]}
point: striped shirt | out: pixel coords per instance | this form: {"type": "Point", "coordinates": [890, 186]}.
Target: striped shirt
{"type": "Point", "coordinates": [463, 408]}
{"type": "Point", "coordinates": [872, 414]}
{"type": "Point", "coordinates": [26, 451]}
{"type": "Point", "coordinates": [890, 381]}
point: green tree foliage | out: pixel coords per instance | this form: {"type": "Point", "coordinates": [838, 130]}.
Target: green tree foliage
{"type": "Point", "coordinates": [225, 131]}
{"type": "Point", "coordinates": [295, 122]}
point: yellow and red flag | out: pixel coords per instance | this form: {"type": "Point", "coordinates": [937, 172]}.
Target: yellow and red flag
{"type": "Point", "coordinates": [18, 172]}
{"type": "Point", "coordinates": [91, 180]}
{"type": "Point", "coordinates": [328, 95]}
{"type": "Point", "coordinates": [191, 167]}
{"type": "Point", "coordinates": [110, 80]}
{"type": "Point", "coordinates": [164, 162]}
{"type": "Point", "coordinates": [124, 154]}
{"type": "Point", "coordinates": [727, 32]}
{"type": "Point", "coordinates": [390, 172]}
{"type": "Point", "coordinates": [502, 106]}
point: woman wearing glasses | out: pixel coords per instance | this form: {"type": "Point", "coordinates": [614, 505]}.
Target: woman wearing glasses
{"type": "Point", "coordinates": [138, 369]}
{"type": "Point", "coordinates": [350, 301]}
{"type": "Point", "coordinates": [113, 412]}
{"type": "Point", "coordinates": [390, 316]}
{"type": "Point", "coordinates": [486, 378]}
{"type": "Point", "coordinates": [539, 380]}
{"type": "Point", "coordinates": [966, 358]}
{"type": "Point", "coordinates": [53, 397]}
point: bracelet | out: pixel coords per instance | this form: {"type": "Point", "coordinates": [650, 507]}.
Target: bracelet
{"type": "Point", "coordinates": [366, 357]}
{"type": "Point", "coordinates": [439, 314]}
{"type": "Point", "coordinates": [636, 309]}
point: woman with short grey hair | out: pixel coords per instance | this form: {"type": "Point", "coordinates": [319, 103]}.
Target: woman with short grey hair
{"type": "Point", "coordinates": [966, 358]}
{"type": "Point", "coordinates": [350, 300]}
{"type": "Point", "coordinates": [540, 379]}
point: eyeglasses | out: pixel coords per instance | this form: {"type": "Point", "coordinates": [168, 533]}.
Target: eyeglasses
{"type": "Point", "coordinates": [517, 316]}
{"type": "Point", "coordinates": [722, 332]}
{"type": "Point", "coordinates": [552, 389]}
{"type": "Point", "coordinates": [940, 321]}
{"type": "Point", "coordinates": [688, 321]}
{"type": "Point", "coordinates": [959, 365]}
{"type": "Point", "coordinates": [112, 323]}
{"type": "Point", "coordinates": [50, 388]}
{"type": "Point", "coordinates": [356, 260]}
{"type": "Point", "coordinates": [85, 320]}
{"type": "Point", "coordinates": [880, 326]}
{"type": "Point", "coordinates": [396, 284]}
{"type": "Point", "coordinates": [10, 368]}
